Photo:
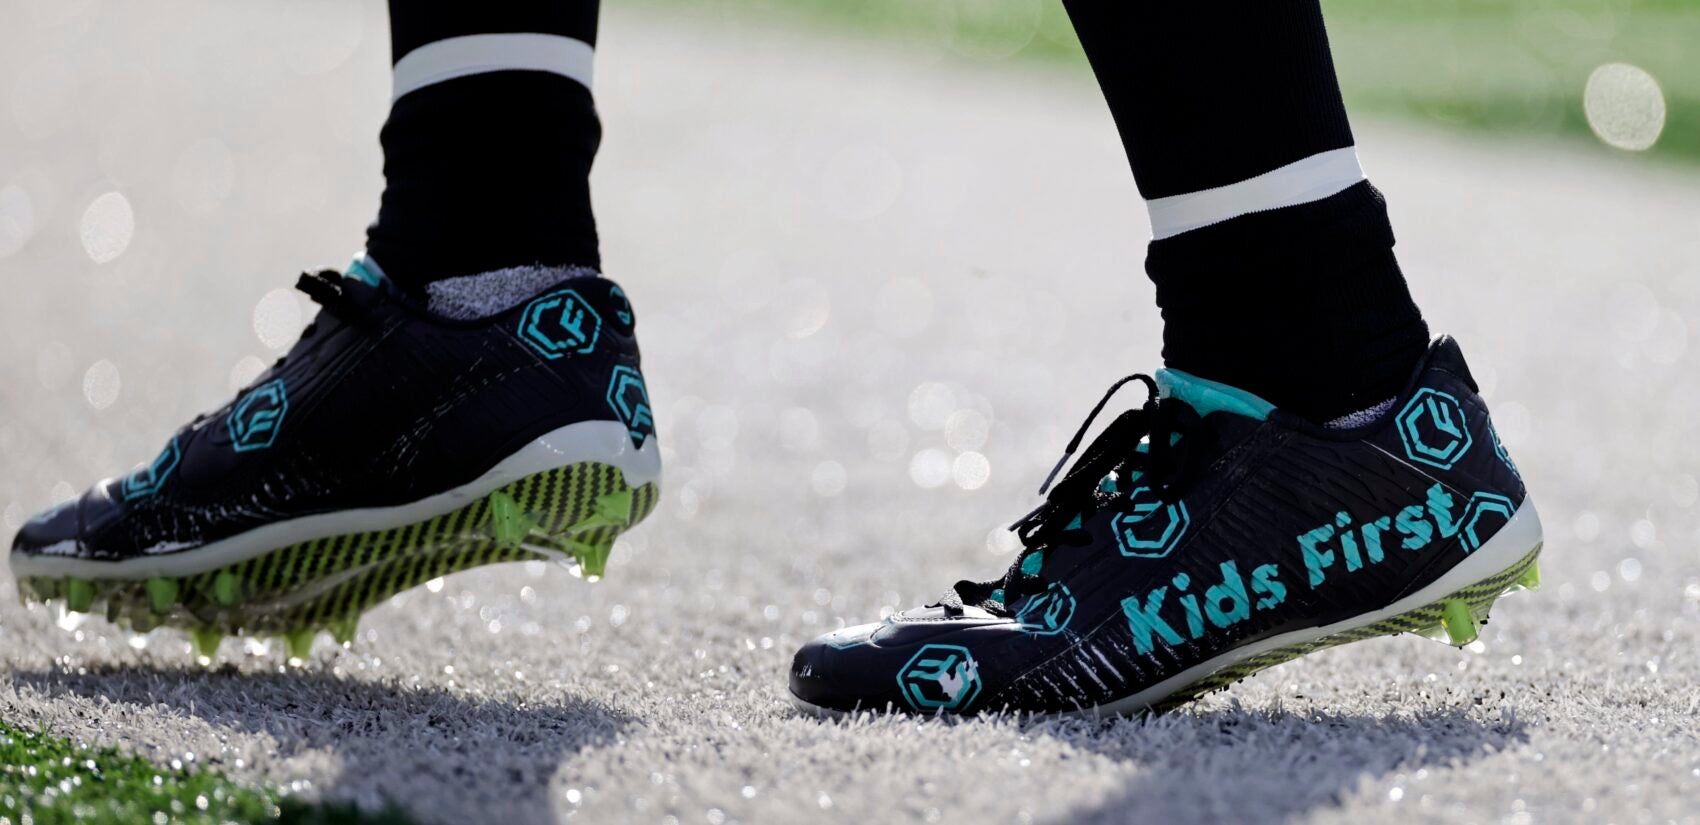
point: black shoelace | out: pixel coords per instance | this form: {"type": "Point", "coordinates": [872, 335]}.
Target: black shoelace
{"type": "Point", "coordinates": [329, 289]}
{"type": "Point", "coordinates": [1161, 425]}
{"type": "Point", "coordinates": [335, 295]}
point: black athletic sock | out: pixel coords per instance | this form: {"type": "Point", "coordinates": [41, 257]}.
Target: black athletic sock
{"type": "Point", "coordinates": [488, 148]}
{"type": "Point", "coordinates": [1273, 257]}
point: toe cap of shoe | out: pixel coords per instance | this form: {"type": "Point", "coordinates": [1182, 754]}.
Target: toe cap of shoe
{"type": "Point", "coordinates": [863, 667]}
{"type": "Point", "coordinates": [844, 671]}
{"type": "Point", "coordinates": [55, 530]}
{"type": "Point", "coordinates": [63, 530]}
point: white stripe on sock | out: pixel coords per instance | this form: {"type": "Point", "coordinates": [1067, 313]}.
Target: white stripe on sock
{"type": "Point", "coordinates": [1302, 181]}
{"type": "Point", "coordinates": [478, 53]}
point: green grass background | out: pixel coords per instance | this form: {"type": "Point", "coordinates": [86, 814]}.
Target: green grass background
{"type": "Point", "coordinates": [1515, 66]}
{"type": "Point", "coordinates": [46, 780]}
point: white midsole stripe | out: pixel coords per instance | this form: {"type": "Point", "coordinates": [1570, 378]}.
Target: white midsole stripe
{"type": "Point", "coordinates": [1513, 541]}
{"type": "Point", "coordinates": [604, 441]}
{"type": "Point", "coordinates": [478, 53]}
{"type": "Point", "coordinates": [1301, 181]}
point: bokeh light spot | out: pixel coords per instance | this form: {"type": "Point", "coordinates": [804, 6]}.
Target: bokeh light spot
{"type": "Point", "coordinates": [828, 479]}
{"type": "Point", "coordinates": [1625, 106]}
{"type": "Point", "coordinates": [930, 468]}
{"type": "Point", "coordinates": [967, 430]}
{"type": "Point", "coordinates": [277, 318]}
{"type": "Point", "coordinates": [245, 371]}
{"type": "Point", "coordinates": [1002, 541]}
{"type": "Point", "coordinates": [101, 384]}
{"type": "Point", "coordinates": [931, 404]}
{"type": "Point", "coordinates": [107, 227]}
{"type": "Point", "coordinates": [971, 470]}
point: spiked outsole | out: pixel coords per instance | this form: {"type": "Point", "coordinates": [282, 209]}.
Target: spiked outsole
{"type": "Point", "coordinates": [570, 514]}
{"type": "Point", "coordinates": [1455, 619]}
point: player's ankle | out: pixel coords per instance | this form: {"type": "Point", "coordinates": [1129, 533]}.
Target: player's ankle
{"type": "Point", "coordinates": [1304, 306]}
{"type": "Point", "coordinates": [487, 150]}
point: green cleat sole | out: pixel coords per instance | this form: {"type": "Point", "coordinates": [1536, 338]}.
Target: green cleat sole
{"type": "Point", "coordinates": [570, 515]}
{"type": "Point", "coordinates": [1531, 578]}
{"type": "Point", "coordinates": [343, 631]}
{"type": "Point", "coordinates": [510, 526]}
{"type": "Point", "coordinates": [79, 595]}
{"type": "Point", "coordinates": [299, 643]}
{"type": "Point", "coordinates": [1458, 622]}
{"type": "Point", "coordinates": [592, 558]}
{"type": "Point", "coordinates": [162, 595]}
{"type": "Point", "coordinates": [226, 589]}
{"type": "Point", "coordinates": [205, 641]}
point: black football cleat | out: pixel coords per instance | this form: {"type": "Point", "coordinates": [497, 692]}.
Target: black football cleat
{"type": "Point", "coordinates": [1202, 538]}
{"type": "Point", "coordinates": [389, 447]}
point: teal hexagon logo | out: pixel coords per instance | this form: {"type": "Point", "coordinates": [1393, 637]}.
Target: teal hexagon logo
{"type": "Point", "coordinates": [146, 480]}
{"type": "Point", "coordinates": [1433, 429]}
{"type": "Point", "coordinates": [940, 679]}
{"type": "Point", "coordinates": [257, 418]}
{"type": "Point", "coordinates": [560, 323]}
{"type": "Point", "coordinates": [629, 400]}
{"type": "Point", "coordinates": [1047, 613]}
{"type": "Point", "coordinates": [1150, 528]}
{"type": "Point", "coordinates": [1486, 513]}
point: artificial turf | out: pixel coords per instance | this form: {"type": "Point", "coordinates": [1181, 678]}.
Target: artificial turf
{"type": "Point", "coordinates": [47, 780]}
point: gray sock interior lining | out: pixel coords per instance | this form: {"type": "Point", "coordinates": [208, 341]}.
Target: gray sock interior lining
{"type": "Point", "coordinates": [1361, 417]}
{"type": "Point", "coordinates": [470, 297]}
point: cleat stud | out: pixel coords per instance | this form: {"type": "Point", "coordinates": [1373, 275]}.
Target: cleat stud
{"type": "Point", "coordinates": [226, 589]}
{"type": "Point", "coordinates": [616, 506]}
{"type": "Point", "coordinates": [509, 524]}
{"type": "Point", "coordinates": [205, 640]}
{"type": "Point", "coordinates": [1459, 623]}
{"type": "Point", "coordinates": [79, 595]}
{"type": "Point", "coordinates": [1530, 578]}
{"type": "Point", "coordinates": [612, 510]}
{"type": "Point", "coordinates": [300, 644]}
{"type": "Point", "coordinates": [592, 558]}
{"type": "Point", "coordinates": [343, 631]}
{"type": "Point", "coordinates": [162, 594]}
